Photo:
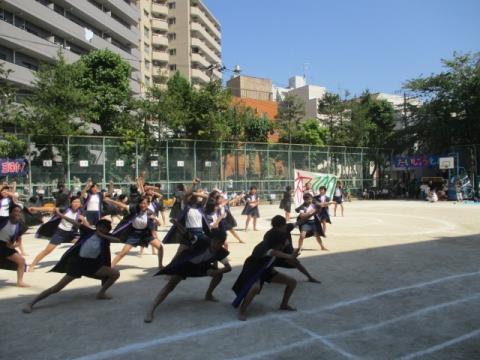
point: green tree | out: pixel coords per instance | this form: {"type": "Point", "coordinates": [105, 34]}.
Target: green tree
{"type": "Point", "coordinates": [10, 118]}
{"type": "Point", "coordinates": [291, 111]}
{"type": "Point", "coordinates": [333, 110]}
{"type": "Point", "coordinates": [310, 132]}
{"type": "Point", "coordinates": [57, 106]}
{"type": "Point", "coordinates": [450, 112]}
{"type": "Point", "coordinates": [105, 76]}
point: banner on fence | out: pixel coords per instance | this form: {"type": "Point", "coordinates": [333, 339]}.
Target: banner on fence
{"type": "Point", "coordinates": [315, 180]}
{"type": "Point", "coordinates": [417, 161]}
{"type": "Point", "coordinates": [14, 167]}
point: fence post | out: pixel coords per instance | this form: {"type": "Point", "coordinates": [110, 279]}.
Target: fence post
{"type": "Point", "coordinates": [168, 165]}
{"type": "Point", "coordinates": [309, 157]}
{"type": "Point", "coordinates": [136, 158]}
{"type": "Point", "coordinates": [104, 181]}
{"type": "Point", "coordinates": [194, 159]}
{"type": "Point", "coordinates": [29, 166]}
{"type": "Point", "coordinates": [68, 162]}
{"type": "Point", "coordinates": [222, 177]}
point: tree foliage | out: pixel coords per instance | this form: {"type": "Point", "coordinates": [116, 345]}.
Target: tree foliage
{"type": "Point", "coordinates": [291, 110]}
{"type": "Point", "coordinates": [450, 111]}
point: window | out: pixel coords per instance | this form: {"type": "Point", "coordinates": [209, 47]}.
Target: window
{"type": "Point", "coordinates": [195, 50]}
{"type": "Point", "coordinates": [147, 64]}
{"type": "Point", "coordinates": [146, 13]}
{"type": "Point", "coordinates": [146, 31]}
{"type": "Point", "coordinates": [172, 36]}
{"type": "Point", "coordinates": [58, 9]}
{"type": "Point", "coordinates": [172, 21]}
{"type": "Point", "coordinates": [6, 16]}
{"type": "Point", "coordinates": [147, 80]}
{"type": "Point", "coordinates": [173, 67]}
{"type": "Point", "coordinates": [6, 54]}
{"type": "Point", "coordinates": [171, 5]}
{"type": "Point", "coordinates": [146, 48]}
{"type": "Point", "coordinates": [172, 51]}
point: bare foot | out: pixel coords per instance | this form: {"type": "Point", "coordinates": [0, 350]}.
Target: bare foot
{"type": "Point", "coordinates": [27, 309]}
{"type": "Point", "coordinates": [241, 241]}
{"type": "Point", "coordinates": [211, 298]}
{"type": "Point", "coordinates": [324, 248]}
{"type": "Point", "coordinates": [103, 296]}
{"type": "Point", "coordinates": [242, 316]}
{"type": "Point", "coordinates": [313, 280]}
{"type": "Point", "coordinates": [148, 318]}
{"type": "Point", "coordinates": [287, 308]}
{"type": "Point", "coordinates": [31, 268]}
{"type": "Point", "coordinates": [22, 284]}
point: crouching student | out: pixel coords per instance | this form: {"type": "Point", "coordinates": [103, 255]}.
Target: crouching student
{"type": "Point", "coordinates": [11, 231]}
{"type": "Point", "coordinates": [197, 261]}
{"type": "Point", "coordinates": [280, 223]}
{"type": "Point", "coordinates": [90, 256]}
{"type": "Point", "coordinates": [259, 268]}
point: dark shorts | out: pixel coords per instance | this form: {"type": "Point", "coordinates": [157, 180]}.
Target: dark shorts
{"type": "Point", "coordinates": [338, 199]}
{"type": "Point", "coordinates": [286, 205]}
{"type": "Point", "coordinates": [5, 251]}
{"type": "Point", "coordinates": [77, 266]}
{"type": "Point", "coordinates": [139, 238]}
{"type": "Point", "coordinates": [92, 217]}
{"type": "Point", "coordinates": [197, 234]}
{"type": "Point", "coordinates": [61, 236]}
{"type": "Point", "coordinates": [310, 227]}
{"type": "Point", "coordinates": [251, 211]}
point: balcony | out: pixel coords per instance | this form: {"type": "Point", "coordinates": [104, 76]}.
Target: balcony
{"type": "Point", "coordinates": [159, 40]}
{"type": "Point", "coordinates": [195, 11]}
{"type": "Point", "coordinates": [159, 71]}
{"type": "Point", "coordinates": [200, 76]}
{"type": "Point", "coordinates": [209, 54]}
{"type": "Point", "coordinates": [202, 33]}
{"type": "Point", "coordinates": [159, 24]}
{"type": "Point", "coordinates": [129, 12]}
{"type": "Point", "coordinates": [19, 75]}
{"type": "Point", "coordinates": [161, 56]}
{"type": "Point", "coordinates": [198, 58]}
{"type": "Point", "coordinates": [159, 9]}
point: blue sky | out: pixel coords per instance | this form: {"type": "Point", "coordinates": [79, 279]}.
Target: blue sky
{"type": "Point", "coordinates": [347, 44]}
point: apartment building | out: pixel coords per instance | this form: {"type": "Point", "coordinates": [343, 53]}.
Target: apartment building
{"type": "Point", "coordinates": [182, 36]}
{"type": "Point", "coordinates": [33, 31]}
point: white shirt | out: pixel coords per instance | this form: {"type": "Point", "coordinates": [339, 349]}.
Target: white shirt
{"type": "Point", "coordinates": [8, 232]}
{"type": "Point", "coordinates": [310, 207]}
{"type": "Point", "coordinates": [140, 221]}
{"type": "Point", "coordinates": [214, 217]}
{"type": "Point", "coordinates": [94, 202]}
{"type": "Point", "coordinates": [338, 192]}
{"type": "Point", "coordinates": [4, 207]}
{"type": "Point", "coordinates": [151, 207]}
{"type": "Point", "coordinates": [64, 224]}
{"type": "Point", "coordinates": [194, 219]}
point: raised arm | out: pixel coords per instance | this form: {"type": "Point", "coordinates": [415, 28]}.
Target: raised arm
{"type": "Point", "coordinates": [43, 209]}
{"type": "Point", "coordinates": [119, 204]}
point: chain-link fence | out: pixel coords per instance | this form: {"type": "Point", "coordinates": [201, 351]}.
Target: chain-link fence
{"type": "Point", "coordinates": [231, 166]}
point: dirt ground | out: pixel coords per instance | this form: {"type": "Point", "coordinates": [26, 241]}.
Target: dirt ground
{"type": "Point", "coordinates": [401, 279]}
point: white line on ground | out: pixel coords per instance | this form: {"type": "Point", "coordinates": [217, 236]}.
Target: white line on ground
{"type": "Point", "coordinates": [233, 324]}
{"type": "Point", "coordinates": [405, 316]}
{"type": "Point", "coordinates": [277, 350]}
{"type": "Point", "coordinates": [442, 345]}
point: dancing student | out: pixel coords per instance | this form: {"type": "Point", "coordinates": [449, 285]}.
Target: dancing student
{"type": "Point", "coordinates": [197, 261]}
{"type": "Point", "coordinates": [58, 228]}
{"type": "Point", "coordinates": [136, 229]}
{"type": "Point", "coordinates": [259, 268]}
{"type": "Point", "coordinates": [251, 208]}
{"type": "Point", "coordinates": [279, 222]}
{"type": "Point", "coordinates": [308, 190]}
{"type": "Point", "coordinates": [7, 201]}
{"type": "Point", "coordinates": [228, 222]}
{"type": "Point", "coordinates": [93, 205]}
{"type": "Point", "coordinates": [338, 198]}
{"type": "Point", "coordinates": [154, 207]}
{"type": "Point", "coordinates": [286, 202]}
{"type": "Point", "coordinates": [161, 204]}
{"type": "Point", "coordinates": [309, 221]}
{"type": "Point", "coordinates": [193, 219]}
{"type": "Point", "coordinates": [89, 257]}
{"type": "Point", "coordinates": [11, 231]}
{"type": "Point", "coordinates": [323, 202]}
{"type": "Point", "coordinates": [178, 202]}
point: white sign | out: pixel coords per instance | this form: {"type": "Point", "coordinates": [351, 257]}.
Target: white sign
{"type": "Point", "coordinates": [154, 163]}
{"type": "Point", "coordinates": [446, 163]}
{"type": "Point", "coordinates": [208, 164]}
{"type": "Point", "coordinates": [83, 163]}
{"type": "Point", "coordinates": [120, 163]}
{"type": "Point", "coordinates": [180, 163]}
{"type": "Point", "coordinates": [47, 163]}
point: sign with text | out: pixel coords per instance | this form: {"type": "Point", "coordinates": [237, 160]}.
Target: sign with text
{"type": "Point", "coordinates": [315, 180]}
{"type": "Point", "coordinates": [119, 163]}
{"type": "Point", "coordinates": [416, 161]}
{"type": "Point", "coordinates": [47, 163]}
{"type": "Point", "coordinates": [83, 163]}
{"type": "Point", "coordinates": [180, 163]}
{"type": "Point", "coordinates": [154, 163]}
{"type": "Point", "coordinates": [17, 167]}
